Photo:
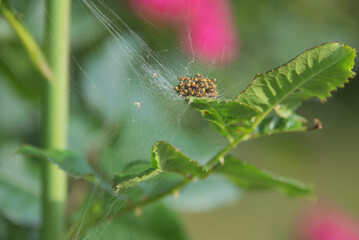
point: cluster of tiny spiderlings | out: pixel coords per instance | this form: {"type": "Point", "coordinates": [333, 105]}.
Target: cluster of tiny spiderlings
{"type": "Point", "coordinates": [196, 86]}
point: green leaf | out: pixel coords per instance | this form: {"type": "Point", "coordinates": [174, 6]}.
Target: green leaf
{"type": "Point", "coordinates": [72, 163]}
{"type": "Point", "coordinates": [32, 48]}
{"type": "Point", "coordinates": [314, 73]}
{"type": "Point", "coordinates": [168, 159]}
{"type": "Point", "coordinates": [226, 116]}
{"type": "Point", "coordinates": [165, 159]}
{"type": "Point", "coordinates": [273, 124]}
{"type": "Point", "coordinates": [252, 178]}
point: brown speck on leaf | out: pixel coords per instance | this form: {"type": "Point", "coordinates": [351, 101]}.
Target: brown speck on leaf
{"type": "Point", "coordinates": [128, 202]}
{"type": "Point", "coordinates": [143, 198]}
{"type": "Point", "coordinates": [188, 175]}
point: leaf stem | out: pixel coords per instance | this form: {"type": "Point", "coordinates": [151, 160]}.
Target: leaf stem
{"type": "Point", "coordinates": [55, 117]}
{"type": "Point", "coordinates": [224, 151]}
{"type": "Point", "coordinates": [33, 49]}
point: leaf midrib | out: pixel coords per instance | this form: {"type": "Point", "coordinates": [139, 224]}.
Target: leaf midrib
{"type": "Point", "coordinates": [265, 113]}
{"type": "Point", "coordinates": [230, 137]}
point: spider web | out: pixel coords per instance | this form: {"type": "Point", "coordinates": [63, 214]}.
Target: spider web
{"type": "Point", "coordinates": [130, 86]}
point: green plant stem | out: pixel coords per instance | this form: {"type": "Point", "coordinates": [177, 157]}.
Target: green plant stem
{"type": "Point", "coordinates": [224, 151]}
{"type": "Point", "coordinates": [33, 49]}
{"type": "Point", "coordinates": [55, 117]}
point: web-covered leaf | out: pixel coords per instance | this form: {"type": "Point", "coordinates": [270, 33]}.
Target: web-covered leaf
{"type": "Point", "coordinates": [72, 163]}
{"type": "Point", "coordinates": [166, 158]}
{"type": "Point", "coordinates": [228, 117]}
{"type": "Point", "coordinates": [314, 73]}
{"type": "Point", "coordinates": [133, 174]}
{"type": "Point", "coordinates": [166, 162]}
{"type": "Point", "coordinates": [251, 178]}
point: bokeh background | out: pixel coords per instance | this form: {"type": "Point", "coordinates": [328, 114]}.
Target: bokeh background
{"type": "Point", "coordinates": [125, 58]}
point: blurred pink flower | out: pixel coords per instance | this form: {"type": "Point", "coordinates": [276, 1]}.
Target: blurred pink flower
{"type": "Point", "coordinates": [327, 223]}
{"type": "Point", "coordinates": [206, 26]}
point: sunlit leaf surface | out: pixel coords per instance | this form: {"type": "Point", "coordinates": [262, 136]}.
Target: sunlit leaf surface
{"type": "Point", "coordinates": [314, 73]}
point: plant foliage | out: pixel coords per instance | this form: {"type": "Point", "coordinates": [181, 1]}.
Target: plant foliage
{"type": "Point", "coordinates": [267, 106]}
{"type": "Point", "coordinates": [249, 177]}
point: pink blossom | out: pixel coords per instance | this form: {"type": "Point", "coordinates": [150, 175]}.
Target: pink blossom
{"type": "Point", "coordinates": [327, 223]}
{"type": "Point", "coordinates": [206, 27]}
{"type": "Point", "coordinates": [211, 34]}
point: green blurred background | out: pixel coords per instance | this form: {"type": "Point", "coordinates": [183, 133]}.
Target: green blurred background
{"type": "Point", "coordinates": [111, 72]}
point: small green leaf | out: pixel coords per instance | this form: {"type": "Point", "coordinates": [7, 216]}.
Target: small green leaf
{"type": "Point", "coordinates": [168, 159]}
{"type": "Point", "coordinates": [72, 163]}
{"type": "Point", "coordinates": [226, 116]}
{"type": "Point", "coordinates": [33, 49]}
{"type": "Point", "coordinates": [273, 124]}
{"type": "Point", "coordinates": [252, 178]}
{"type": "Point", "coordinates": [314, 73]}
